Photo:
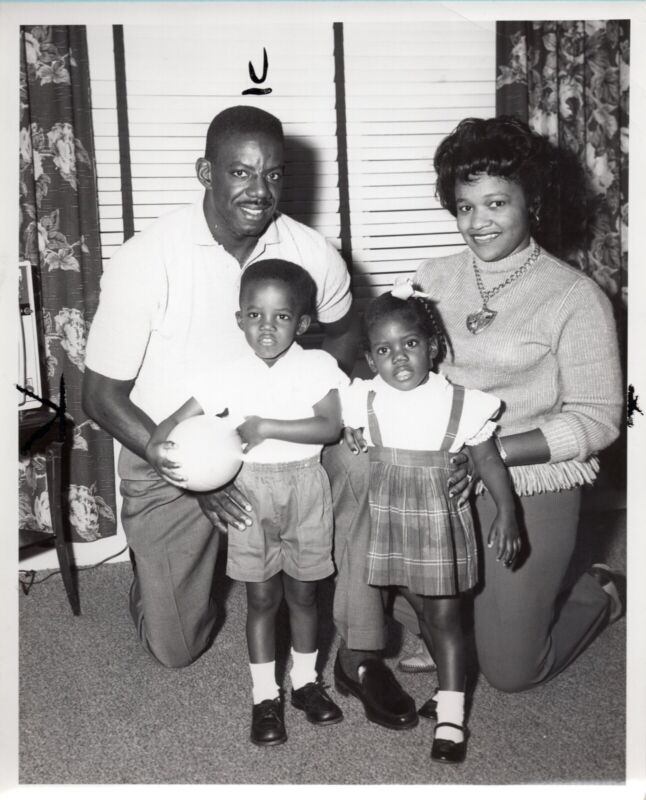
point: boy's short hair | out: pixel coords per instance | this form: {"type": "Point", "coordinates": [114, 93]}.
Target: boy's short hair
{"type": "Point", "coordinates": [298, 280]}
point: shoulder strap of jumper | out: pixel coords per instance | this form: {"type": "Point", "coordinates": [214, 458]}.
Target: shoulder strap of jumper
{"type": "Point", "coordinates": [454, 418]}
{"type": "Point", "coordinates": [373, 422]}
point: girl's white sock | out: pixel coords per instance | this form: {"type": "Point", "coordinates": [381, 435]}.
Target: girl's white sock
{"type": "Point", "coordinates": [303, 668]}
{"type": "Point", "coordinates": [263, 678]}
{"type": "Point", "coordinates": [450, 708]}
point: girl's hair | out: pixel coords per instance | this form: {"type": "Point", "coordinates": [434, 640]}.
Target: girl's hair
{"type": "Point", "coordinates": [418, 310]}
{"type": "Point", "coordinates": [298, 280]}
{"type": "Point", "coordinates": [551, 178]}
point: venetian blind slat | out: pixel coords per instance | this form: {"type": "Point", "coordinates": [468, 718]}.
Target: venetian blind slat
{"type": "Point", "coordinates": [405, 91]}
{"type": "Point", "coordinates": [176, 84]}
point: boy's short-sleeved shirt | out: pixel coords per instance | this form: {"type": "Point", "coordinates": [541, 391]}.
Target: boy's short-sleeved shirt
{"type": "Point", "coordinates": [169, 297]}
{"type": "Point", "coordinates": [287, 390]}
{"type": "Point", "coordinates": [417, 419]}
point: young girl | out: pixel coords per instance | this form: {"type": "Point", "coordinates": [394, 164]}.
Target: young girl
{"type": "Point", "coordinates": [422, 541]}
{"type": "Point", "coordinates": [285, 402]}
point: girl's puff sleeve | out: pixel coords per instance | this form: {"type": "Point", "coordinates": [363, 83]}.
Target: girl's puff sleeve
{"type": "Point", "coordinates": [354, 403]}
{"type": "Point", "coordinates": [477, 421]}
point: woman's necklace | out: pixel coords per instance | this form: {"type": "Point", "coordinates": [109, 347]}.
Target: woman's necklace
{"type": "Point", "coordinates": [481, 319]}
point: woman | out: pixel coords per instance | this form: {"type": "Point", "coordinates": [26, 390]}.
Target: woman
{"type": "Point", "coordinates": [539, 335]}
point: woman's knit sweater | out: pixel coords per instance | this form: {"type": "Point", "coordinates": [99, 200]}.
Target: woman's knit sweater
{"type": "Point", "coordinates": [550, 355]}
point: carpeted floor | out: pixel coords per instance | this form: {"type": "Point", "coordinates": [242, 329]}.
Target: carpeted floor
{"type": "Point", "coordinates": [96, 709]}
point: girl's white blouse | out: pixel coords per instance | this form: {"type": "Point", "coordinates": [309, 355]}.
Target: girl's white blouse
{"type": "Point", "coordinates": [417, 419]}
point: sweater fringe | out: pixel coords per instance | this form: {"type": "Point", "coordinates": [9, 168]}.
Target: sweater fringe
{"type": "Point", "coordinates": [541, 478]}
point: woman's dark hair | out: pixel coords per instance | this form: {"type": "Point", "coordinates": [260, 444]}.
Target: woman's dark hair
{"type": "Point", "coordinates": [551, 178]}
{"type": "Point", "coordinates": [298, 280]}
{"type": "Point", "coordinates": [418, 311]}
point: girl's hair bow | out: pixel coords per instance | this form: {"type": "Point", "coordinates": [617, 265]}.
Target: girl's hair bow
{"type": "Point", "coordinates": [403, 289]}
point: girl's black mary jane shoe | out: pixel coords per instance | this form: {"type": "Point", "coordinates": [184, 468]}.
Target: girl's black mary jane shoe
{"type": "Point", "coordinates": [447, 751]}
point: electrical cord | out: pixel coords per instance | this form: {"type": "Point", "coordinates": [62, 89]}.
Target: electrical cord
{"type": "Point", "coordinates": [31, 573]}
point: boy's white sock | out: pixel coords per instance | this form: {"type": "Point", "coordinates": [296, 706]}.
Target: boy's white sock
{"type": "Point", "coordinates": [263, 677]}
{"type": "Point", "coordinates": [303, 668]}
{"type": "Point", "coordinates": [450, 708]}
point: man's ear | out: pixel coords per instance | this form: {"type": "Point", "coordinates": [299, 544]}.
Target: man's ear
{"type": "Point", "coordinates": [203, 172]}
{"type": "Point", "coordinates": [239, 319]}
{"type": "Point", "coordinates": [371, 362]}
{"type": "Point", "coordinates": [303, 324]}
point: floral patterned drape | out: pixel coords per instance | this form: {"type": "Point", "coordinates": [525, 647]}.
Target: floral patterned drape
{"type": "Point", "coordinates": [569, 81]}
{"type": "Point", "coordinates": [59, 234]}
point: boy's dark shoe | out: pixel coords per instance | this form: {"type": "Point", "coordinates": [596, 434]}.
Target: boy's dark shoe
{"type": "Point", "coordinates": [384, 700]}
{"type": "Point", "coordinates": [318, 706]}
{"type": "Point", "coordinates": [267, 723]}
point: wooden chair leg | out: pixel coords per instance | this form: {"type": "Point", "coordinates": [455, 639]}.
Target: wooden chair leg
{"type": "Point", "coordinates": [55, 484]}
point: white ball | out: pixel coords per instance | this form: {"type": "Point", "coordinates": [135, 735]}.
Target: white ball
{"type": "Point", "coordinates": [209, 451]}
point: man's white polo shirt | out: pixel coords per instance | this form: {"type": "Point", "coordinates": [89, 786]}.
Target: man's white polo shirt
{"type": "Point", "coordinates": [169, 296]}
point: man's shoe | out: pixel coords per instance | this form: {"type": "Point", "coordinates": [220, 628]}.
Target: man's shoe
{"type": "Point", "coordinates": [267, 724]}
{"type": "Point", "coordinates": [318, 706]}
{"type": "Point", "coordinates": [384, 700]}
{"type": "Point", "coordinates": [420, 661]}
{"type": "Point", "coordinates": [429, 709]}
{"type": "Point", "coordinates": [614, 585]}
{"type": "Point", "coordinates": [447, 751]}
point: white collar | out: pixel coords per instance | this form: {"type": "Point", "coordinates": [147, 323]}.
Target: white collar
{"type": "Point", "coordinates": [293, 354]}
{"type": "Point", "coordinates": [436, 382]}
{"type": "Point", "coordinates": [201, 234]}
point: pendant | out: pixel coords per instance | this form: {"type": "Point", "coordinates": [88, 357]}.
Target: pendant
{"type": "Point", "coordinates": [480, 320]}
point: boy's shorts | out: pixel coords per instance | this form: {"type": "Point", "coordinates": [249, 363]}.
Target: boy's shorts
{"type": "Point", "coordinates": [292, 523]}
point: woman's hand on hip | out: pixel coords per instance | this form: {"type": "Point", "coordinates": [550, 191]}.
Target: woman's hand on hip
{"type": "Point", "coordinates": [463, 475]}
{"type": "Point", "coordinates": [224, 507]}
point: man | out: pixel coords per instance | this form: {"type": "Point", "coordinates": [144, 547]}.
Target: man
{"type": "Point", "coordinates": [167, 305]}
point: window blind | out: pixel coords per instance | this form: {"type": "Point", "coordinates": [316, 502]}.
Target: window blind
{"type": "Point", "coordinates": [106, 140]}
{"type": "Point", "coordinates": [175, 85]}
{"type": "Point", "coordinates": [407, 86]}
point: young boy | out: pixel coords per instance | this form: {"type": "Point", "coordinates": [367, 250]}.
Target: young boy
{"type": "Point", "coordinates": [285, 404]}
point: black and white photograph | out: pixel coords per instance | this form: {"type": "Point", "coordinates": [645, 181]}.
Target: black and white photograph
{"type": "Point", "coordinates": [424, 572]}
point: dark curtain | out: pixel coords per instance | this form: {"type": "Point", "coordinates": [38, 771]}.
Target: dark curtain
{"type": "Point", "coordinates": [569, 81]}
{"type": "Point", "coordinates": [59, 234]}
